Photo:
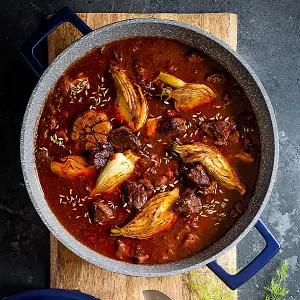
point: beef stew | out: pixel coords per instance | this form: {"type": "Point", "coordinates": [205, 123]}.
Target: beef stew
{"type": "Point", "coordinates": [132, 144]}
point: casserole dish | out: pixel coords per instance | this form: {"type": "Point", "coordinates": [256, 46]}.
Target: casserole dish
{"type": "Point", "coordinates": [212, 47]}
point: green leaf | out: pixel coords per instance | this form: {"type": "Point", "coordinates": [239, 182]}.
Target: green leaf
{"type": "Point", "coordinates": [276, 290]}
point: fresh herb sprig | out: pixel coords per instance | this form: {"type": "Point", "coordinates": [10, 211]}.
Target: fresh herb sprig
{"type": "Point", "coordinates": [204, 287]}
{"type": "Point", "coordinates": [276, 289]}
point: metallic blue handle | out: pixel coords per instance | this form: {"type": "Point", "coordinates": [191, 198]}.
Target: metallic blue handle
{"type": "Point", "coordinates": [62, 16]}
{"type": "Point", "coordinates": [235, 281]}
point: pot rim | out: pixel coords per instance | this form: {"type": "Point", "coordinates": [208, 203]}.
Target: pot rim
{"type": "Point", "coordinates": [234, 234]}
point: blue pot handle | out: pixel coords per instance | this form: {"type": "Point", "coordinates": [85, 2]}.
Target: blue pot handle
{"type": "Point", "coordinates": [62, 16]}
{"type": "Point", "coordinates": [235, 281]}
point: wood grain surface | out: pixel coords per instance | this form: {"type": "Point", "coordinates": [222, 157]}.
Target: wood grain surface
{"type": "Point", "coordinates": [68, 271]}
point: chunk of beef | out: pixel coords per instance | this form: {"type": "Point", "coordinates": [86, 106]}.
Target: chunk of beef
{"type": "Point", "coordinates": [239, 206]}
{"type": "Point", "coordinates": [135, 195]}
{"type": "Point", "coordinates": [233, 213]}
{"type": "Point", "coordinates": [188, 203]}
{"type": "Point", "coordinates": [123, 139]}
{"type": "Point", "coordinates": [234, 137]}
{"type": "Point", "coordinates": [191, 241]}
{"type": "Point", "coordinates": [161, 180]}
{"type": "Point", "coordinates": [198, 176]}
{"type": "Point", "coordinates": [100, 157]}
{"type": "Point", "coordinates": [123, 250]}
{"type": "Point", "coordinates": [148, 186]}
{"type": "Point", "coordinates": [218, 130]}
{"type": "Point", "coordinates": [216, 77]}
{"type": "Point", "coordinates": [100, 212]}
{"type": "Point", "coordinates": [172, 126]}
{"type": "Point", "coordinates": [193, 56]}
{"type": "Point", "coordinates": [232, 123]}
{"type": "Point", "coordinates": [145, 163]}
{"type": "Point", "coordinates": [210, 189]}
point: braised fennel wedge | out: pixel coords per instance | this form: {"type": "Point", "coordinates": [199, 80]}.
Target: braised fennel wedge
{"type": "Point", "coordinates": [155, 217]}
{"type": "Point", "coordinates": [214, 162]}
{"type": "Point", "coordinates": [72, 166]}
{"type": "Point", "coordinates": [186, 96]}
{"type": "Point", "coordinates": [131, 105]}
{"type": "Point", "coordinates": [117, 170]}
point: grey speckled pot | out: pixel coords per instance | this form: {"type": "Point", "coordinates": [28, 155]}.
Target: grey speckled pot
{"type": "Point", "coordinates": [222, 54]}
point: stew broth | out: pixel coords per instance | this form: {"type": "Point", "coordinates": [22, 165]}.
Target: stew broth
{"type": "Point", "coordinates": [87, 85]}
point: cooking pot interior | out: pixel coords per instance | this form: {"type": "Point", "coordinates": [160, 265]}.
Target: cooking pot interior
{"type": "Point", "coordinates": [215, 49]}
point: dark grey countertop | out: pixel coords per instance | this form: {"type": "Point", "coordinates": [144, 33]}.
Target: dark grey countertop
{"type": "Point", "coordinates": [268, 38]}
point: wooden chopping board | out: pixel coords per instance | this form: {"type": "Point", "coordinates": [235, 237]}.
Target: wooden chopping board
{"type": "Point", "coordinates": [68, 271]}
